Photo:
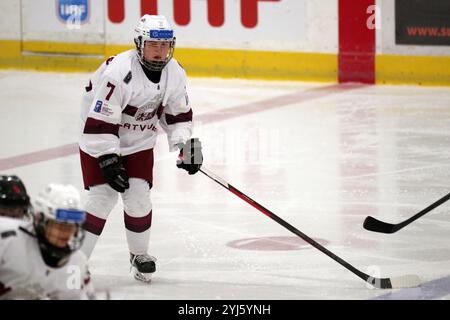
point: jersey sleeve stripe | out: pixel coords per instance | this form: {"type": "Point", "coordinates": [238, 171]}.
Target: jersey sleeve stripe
{"type": "Point", "coordinates": [182, 117]}
{"type": "Point", "coordinates": [94, 126]}
{"type": "Point", "coordinates": [130, 110]}
{"type": "Point", "coordinates": [160, 111]}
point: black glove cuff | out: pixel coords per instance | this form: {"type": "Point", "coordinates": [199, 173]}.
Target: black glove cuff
{"type": "Point", "coordinates": [108, 160]}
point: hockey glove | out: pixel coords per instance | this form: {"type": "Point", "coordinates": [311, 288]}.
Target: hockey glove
{"type": "Point", "coordinates": [190, 157]}
{"type": "Point", "coordinates": [114, 172]}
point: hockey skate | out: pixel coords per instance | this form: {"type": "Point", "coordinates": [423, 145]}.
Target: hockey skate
{"type": "Point", "coordinates": [142, 267]}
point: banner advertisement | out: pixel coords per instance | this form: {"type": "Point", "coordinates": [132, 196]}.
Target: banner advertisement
{"type": "Point", "coordinates": [422, 22]}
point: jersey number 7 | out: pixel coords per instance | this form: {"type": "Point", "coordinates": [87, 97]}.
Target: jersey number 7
{"type": "Point", "coordinates": [110, 85]}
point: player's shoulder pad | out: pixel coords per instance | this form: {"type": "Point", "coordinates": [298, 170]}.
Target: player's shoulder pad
{"type": "Point", "coordinates": [78, 258]}
{"type": "Point", "coordinates": [173, 64]}
{"type": "Point", "coordinates": [175, 68]}
{"type": "Point", "coordinates": [9, 227]}
{"type": "Point", "coordinates": [120, 67]}
{"type": "Point", "coordinates": [108, 61]}
{"type": "Point", "coordinates": [180, 64]}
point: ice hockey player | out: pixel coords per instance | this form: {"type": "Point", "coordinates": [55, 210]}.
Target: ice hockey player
{"type": "Point", "coordinates": [14, 199]}
{"type": "Point", "coordinates": [124, 101]}
{"type": "Point", "coordinates": [40, 258]}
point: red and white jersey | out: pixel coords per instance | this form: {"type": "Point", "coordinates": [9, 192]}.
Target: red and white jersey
{"type": "Point", "coordinates": [24, 274]}
{"type": "Point", "coordinates": [121, 107]}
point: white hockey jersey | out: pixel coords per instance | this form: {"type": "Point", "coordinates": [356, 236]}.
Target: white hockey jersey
{"type": "Point", "coordinates": [121, 107]}
{"type": "Point", "coordinates": [24, 274]}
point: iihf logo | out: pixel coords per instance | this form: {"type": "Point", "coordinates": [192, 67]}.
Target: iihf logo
{"type": "Point", "coordinates": [73, 13]}
{"type": "Point", "coordinates": [98, 106]}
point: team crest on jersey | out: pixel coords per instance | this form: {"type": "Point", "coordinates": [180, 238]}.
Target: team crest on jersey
{"type": "Point", "coordinates": [72, 12]}
{"type": "Point", "coordinates": [144, 116]}
{"type": "Point", "coordinates": [148, 110]}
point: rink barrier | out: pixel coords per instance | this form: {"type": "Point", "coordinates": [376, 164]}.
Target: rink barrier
{"type": "Point", "coordinates": [357, 47]}
{"type": "Point", "coordinates": [13, 55]}
{"type": "Point", "coordinates": [422, 70]}
{"type": "Point", "coordinates": [63, 47]}
{"type": "Point", "coordinates": [52, 56]}
{"type": "Point", "coordinates": [75, 57]}
{"type": "Point", "coordinates": [259, 64]}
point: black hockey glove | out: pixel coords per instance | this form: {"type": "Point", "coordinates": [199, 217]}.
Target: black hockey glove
{"type": "Point", "coordinates": [190, 157]}
{"type": "Point", "coordinates": [114, 172]}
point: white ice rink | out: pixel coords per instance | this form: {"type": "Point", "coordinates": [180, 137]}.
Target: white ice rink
{"type": "Point", "coordinates": [320, 156]}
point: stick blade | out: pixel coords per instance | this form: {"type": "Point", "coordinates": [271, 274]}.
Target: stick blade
{"type": "Point", "coordinates": [406, 281]}
{"type": "Point", "coordinates": [372, 224]}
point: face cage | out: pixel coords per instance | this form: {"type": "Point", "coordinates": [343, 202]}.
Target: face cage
{"type": "Point", "coordinates": [52, 251]}
{"type": "Point", "coordinates": [153, 65]}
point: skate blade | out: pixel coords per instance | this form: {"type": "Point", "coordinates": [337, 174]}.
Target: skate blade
{"type": "Point", "coordinates": [144, 277]}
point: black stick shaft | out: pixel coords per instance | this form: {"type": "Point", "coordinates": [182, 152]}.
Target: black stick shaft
{"type": "Point", "coordinates": [294, 230]}
{"type": "Point", "coordinates": [424, 211]}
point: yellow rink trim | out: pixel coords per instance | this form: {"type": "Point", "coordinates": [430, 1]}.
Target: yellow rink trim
{"type": "Point", "coordinates": [13, 55]}
{"type": "Point", "coordinates": [63, 47]}
{"type": "Point", "coordinates": [422, 70]}
{"type": "Point", "coordinates": [67, 57]}
{"type": "Point", "coordinates": [54, 56]}
{"type": "Point", "coordinates": [260, 64]}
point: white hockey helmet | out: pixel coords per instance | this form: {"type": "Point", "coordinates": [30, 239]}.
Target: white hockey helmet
{"type": "Point", "coordinates": [153, 28]}
{"type": "Point", "coordinates": [57, 221]}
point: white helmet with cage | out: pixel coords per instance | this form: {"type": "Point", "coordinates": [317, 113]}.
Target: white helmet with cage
{"type": "Point", "coordinates": [57, 221]}
{"type": "Point", "coordinates": [154, 28]}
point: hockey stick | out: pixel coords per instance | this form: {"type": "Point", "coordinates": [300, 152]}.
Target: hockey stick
{"type": "Point", "coordinates": [372, 224]}
{"type": "Point", "coordinates": [381, 283]}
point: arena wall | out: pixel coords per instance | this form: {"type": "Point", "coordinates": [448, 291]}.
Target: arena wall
{"type": "Point", "coordinates": [308, 40]}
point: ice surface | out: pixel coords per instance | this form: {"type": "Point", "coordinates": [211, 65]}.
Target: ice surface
{"type": "Point", "coordinates": [320, 156]}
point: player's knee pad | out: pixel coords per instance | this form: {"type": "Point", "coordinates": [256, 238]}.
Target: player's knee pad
{"type": "Point", "coordinates": [101, 200]}
{"type": "Point", "coordinates": [136, 199]}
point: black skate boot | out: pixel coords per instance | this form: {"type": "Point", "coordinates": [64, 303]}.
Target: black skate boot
{"type": "Point", "coordinates": [142, 266]}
